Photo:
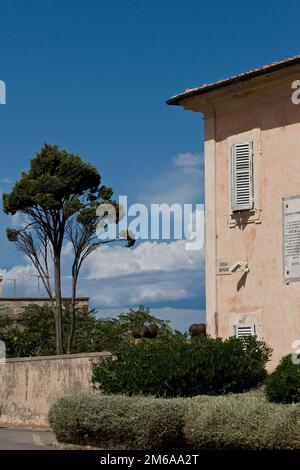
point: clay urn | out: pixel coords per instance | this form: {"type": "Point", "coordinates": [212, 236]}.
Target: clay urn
{"type": "Point", "coordinates": [197, 329]}
{"type": "Point", "coordinates": [140, 332]}
{"type": "Point", "coordinates": [152, 332]}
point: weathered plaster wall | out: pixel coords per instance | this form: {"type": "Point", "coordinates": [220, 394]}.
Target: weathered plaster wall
{"type": "Point", "coordinates": [258, 105]}
{"type": "Point", "coordinates": [28, 386]}
{"type": "Point", "coordinates": [262, 294]}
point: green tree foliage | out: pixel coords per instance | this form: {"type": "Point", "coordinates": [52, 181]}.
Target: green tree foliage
{"type": "Point", "coordinates": [59, 194]}
{"type": "Point", "coordinates": [34, 335]}
{"type": "Point", "coordinates": [141, 317]}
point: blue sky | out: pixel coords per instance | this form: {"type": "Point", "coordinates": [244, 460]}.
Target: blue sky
{"type": "Point", "coordinates": [93, 76]}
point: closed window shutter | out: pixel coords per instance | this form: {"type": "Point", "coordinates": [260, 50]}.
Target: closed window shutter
{"type": "Point", "coordinates": [242, 176]}
{"type": "Point", "coordinates": [242, 331]}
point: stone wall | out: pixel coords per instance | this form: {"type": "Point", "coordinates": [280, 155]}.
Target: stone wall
{"type": "Point", "coordinates": [28, 386]}
{"type": "Point", "coordinates": [14, 306]}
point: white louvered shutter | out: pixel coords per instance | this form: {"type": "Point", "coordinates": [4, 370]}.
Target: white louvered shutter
{"type": "Point", "coordinates": [242, 176]}
{"type": "Point", "coordinates": [242, 331]}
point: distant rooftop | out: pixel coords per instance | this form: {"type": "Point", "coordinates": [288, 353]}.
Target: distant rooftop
{"type": "Point", "coordinates": [40, 299]}
{"type": "Point", "coordinates": [14, 306]}
{"type": "Point", "coordinates": [205, 88]}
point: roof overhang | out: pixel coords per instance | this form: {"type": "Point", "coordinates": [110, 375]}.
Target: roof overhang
{"type": "Point", "coordinates": [201, 98]}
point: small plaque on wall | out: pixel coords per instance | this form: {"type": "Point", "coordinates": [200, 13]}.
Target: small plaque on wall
{"type": "Point", "coordinates": [291, 238]}
{"type": "Point", "coordinates": [223, 267]}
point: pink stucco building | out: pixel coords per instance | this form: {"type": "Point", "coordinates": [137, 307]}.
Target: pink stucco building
{"type": "Point", "coordinates": [252, 203]}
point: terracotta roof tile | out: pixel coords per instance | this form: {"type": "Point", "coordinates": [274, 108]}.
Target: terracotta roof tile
{"type": "Point", "coordinates": [205, 88]}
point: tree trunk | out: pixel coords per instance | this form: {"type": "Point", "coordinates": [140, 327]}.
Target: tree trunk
{"type": "Point", "coordinates": [58, 305]}
{"type": "Point", "coordinates": [72, 311]}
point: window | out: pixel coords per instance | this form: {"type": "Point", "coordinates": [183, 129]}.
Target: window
{"type": "Point", "coordinates": [242, 177]}
{"type": "Point", "coordinates": [243, 331]}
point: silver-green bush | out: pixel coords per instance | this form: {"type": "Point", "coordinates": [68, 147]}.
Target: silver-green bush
{"type": "Point", "coordinates": [118, 421]}
{"type": "Point", "coordinates": [159, 423]}
{"type": "Point", "coordinates": [239, 421]}
{"type": "Point", "coordinates": [242, 421]}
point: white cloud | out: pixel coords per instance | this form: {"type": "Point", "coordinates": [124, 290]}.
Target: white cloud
{"type": "Point", "coordinates": [7, 180]}
{"type": "Point", "coordinates": [145, 288]}
{"type": "Point", "coordinates": [17, 219]}
{"type": "Point", "coordinates": [67, 250]}
{"type": "Point", "coordinates": [26, 283]}
{"type": "Point", "coordinates": [182, 183]}
{"type": "Point", "coordinates": [148, 256]}
{"type": "Point", "coordinates": [149, 273]}
{"type": "Point", "coordinates": [187, 159]}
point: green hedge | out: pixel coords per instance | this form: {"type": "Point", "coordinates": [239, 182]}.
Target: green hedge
{"type": "Point", "coordinates": [283, 385]}
{"type": "Point", "coordinates": [240, 421]}
{"type": "Point", "coordinates": [110, 421]}
{"type": "Point", "coordinates": [174, 367]}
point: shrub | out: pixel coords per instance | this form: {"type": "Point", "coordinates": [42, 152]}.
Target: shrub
{"type": "Point", "coordinates": [283, 385]}
{"type": "Point", "coordinates": [118, 421]}
{"type": "Point", "coordinates": [91, 419]}
{"type": "Point", "coordinates": [242, 421]}
{"type": "Point", "coordinates": [173, 367]}
{"type": "Point", "coordinates": [159, 423]}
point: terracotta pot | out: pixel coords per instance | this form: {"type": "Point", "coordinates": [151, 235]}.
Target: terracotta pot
{"type": "Point", "coordinates": [152, 332]}
{"type": "Point", "coordinates": [140, 332]}
{"type": "Point", "coordinates": [197, 329]}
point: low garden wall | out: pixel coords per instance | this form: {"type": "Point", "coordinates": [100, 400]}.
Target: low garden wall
{"type": "Point", "coordinates": [28, 386]}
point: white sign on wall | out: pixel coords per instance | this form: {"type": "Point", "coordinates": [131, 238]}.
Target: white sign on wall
{"type": "Point", "coordinates": [291, 238]}
{"type": "Point", "coordinates": [223, 267]}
